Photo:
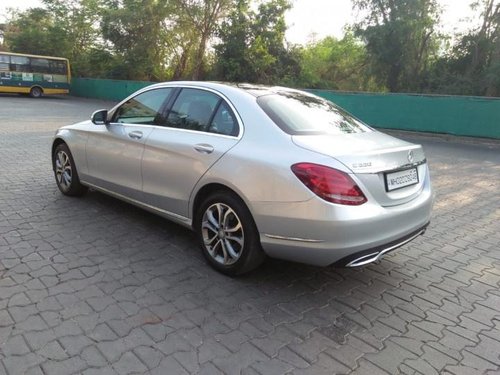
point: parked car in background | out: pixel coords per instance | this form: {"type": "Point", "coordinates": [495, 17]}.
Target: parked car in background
{"type": "Point", "coordinates": [254, 171]}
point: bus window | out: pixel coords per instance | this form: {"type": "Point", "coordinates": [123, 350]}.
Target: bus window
{"type": "Point", "coordinates": [20, 64]}
{"type": "Point", "coordinates": [40, 65]}
{"type": "Point", "coordinates": [57, 67]}
{"type": "Point", "coordinates": [4, 63]}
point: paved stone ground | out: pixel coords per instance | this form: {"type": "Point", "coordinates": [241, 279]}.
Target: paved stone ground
{"type": "Point", "coordinates": [96, 286]}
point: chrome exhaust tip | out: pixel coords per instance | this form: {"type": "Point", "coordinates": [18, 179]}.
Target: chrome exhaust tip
{"type": "Point", "coordinates": [377, 255]}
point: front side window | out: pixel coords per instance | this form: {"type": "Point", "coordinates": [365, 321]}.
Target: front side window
{"type": "Point", "coordinates": [296, 113]}
{"type": "Point", "coordinates": [144, 108]}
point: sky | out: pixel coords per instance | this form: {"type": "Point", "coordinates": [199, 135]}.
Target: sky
{"type": "Point", "coordinates": [328, 17]}
{"type": "Point", "coordinates": [311, 20]}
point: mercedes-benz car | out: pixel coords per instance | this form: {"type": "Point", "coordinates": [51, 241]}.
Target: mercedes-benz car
{"type": "Point", "coordinates": [254, 171]}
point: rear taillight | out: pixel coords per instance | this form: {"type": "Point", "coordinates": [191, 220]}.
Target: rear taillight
{"type": "Point", "coordinates": [329, 184]}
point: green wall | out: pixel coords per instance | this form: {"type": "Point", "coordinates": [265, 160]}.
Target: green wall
{"type": "Point", "coordinates": [458, 115]}
{"type": "Point", "coordinates": [107, 89]}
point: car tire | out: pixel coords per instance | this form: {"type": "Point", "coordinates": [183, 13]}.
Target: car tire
{"type": "Point", "coordinates": [65, 172]}
{"type": "Point", "coordinates": [228, 235]}
{"type": "Point", "coordinates": [36, 92]}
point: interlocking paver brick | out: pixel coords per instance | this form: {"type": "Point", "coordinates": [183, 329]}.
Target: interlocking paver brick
{"type": "Point", "coordinates": [169, 365]}
{"type": "Point", "coordinates": [15, 345]}
{"type": "Point", "coordinates": [273, 367]}
{"type": "Point", "coordinates": [487, 349]}
{"type": "Point", "coordinates": [82, 292]}
{"type": "Point", "coordinates": [74, 345]}
{"type": "Point", "coordinates": [390, 357]}
{"type": "Point", "coordinates": [209, 369]}
{"type": "Point", "coordinates": [93, 357]}
{"type": "Point", "coordinates": [324, 365]}
{"type": "Point", "coordinates": [189, 361]}
{"type": "Point", "coordinates": [20, 364]}
{"type": "Point", "coordinates": [37, 370]}
{"type": "Point", "coordinates": [108, 370]}
{"type": "Point", "coordinates": [419, 366]}
{"type": "Point", "coordinates": [69, 366]}
{"type": "Point", "coordinates": [129, 364]}
{"type": "Point", "coordinates": [476, 363]}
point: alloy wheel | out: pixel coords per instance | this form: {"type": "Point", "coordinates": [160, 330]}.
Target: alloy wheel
{"type": "Point", "coordinates": [222, 233]}
{"type": "Point", "coordinates": [64, 172]}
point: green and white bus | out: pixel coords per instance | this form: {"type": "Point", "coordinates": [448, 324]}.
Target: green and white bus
{"type": "Point", "coordinates": [34, 75]}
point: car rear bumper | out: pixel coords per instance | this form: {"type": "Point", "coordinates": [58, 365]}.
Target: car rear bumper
{"type": "Point", "coordinates": [319, 233]}
{"type": "Point", "coordinates": [368, 256]}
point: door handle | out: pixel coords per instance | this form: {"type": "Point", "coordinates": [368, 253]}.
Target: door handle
{"type": "Point", "coordinates": [204, 148]}
{"type": "Point", "coordinates": [135, 134]}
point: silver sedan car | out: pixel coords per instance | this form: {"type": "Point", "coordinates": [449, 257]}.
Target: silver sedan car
{"type": "Point", "coordinates": [254, 171]}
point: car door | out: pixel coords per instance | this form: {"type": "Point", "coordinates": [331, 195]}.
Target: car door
{"type": "Point", "coordinates": [200, 127]}
{"type": "Point", "coordinates": [114, 151]}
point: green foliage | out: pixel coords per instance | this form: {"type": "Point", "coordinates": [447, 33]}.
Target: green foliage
{"type": "Point", "coordinates": [394, 47]}
{"type": "Point", "coordinates": [158, 40]}
{"type": "Point", "coordinates": [252, 45]}
{"type": "Point", "coordinates": [36, 31]}
{"type": "Point", "coordinates": [473, 65]}
{"type": "Point", "coordinates": [136, 33]}
{"type": "Point", "coordinates": [203, 19]}
{"type": "Point", "coordinates": [336, 64]}
{"type": "Point", "coordinates": [400, 39]}
{"type": "Point", "coordinates": [231, 53]}
{"type": "Point", "coordinates": [65, 28]}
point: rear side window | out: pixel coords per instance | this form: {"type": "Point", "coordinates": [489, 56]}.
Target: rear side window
{"type": "Point", "coordinates": [144, 109]}
{"type": "Point", "coordinates": [224, 121]}
{"type": "Point", "coordinates": [204, 111]}
{"type": "Point", "coordinates": [192, 110]}
{"type": "Point", "coordinates": [297, 113]}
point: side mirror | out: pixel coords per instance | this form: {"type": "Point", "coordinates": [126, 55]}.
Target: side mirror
{"type": "Point", "coordinates": [100, 117]}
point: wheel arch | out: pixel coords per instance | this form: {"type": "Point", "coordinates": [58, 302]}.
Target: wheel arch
{"type": "Point", "coordinates": [208, 190]}
{"type": "Point", "coordinates": [57, 141]}
{"type": "Point", "coordinates": [37, 86]}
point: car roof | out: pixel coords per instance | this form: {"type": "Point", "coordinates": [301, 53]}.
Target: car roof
{"type": "Point", "coordinates": [252, 89]}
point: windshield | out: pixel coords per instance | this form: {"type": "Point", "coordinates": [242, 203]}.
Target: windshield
{"type": "Point", "coordinates": [297, 113]}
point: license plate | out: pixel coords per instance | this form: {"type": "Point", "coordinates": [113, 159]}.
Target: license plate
{"type": "Point", "coordinates": [401, 179]}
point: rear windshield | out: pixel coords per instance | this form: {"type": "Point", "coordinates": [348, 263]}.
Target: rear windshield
{"type": "Point", "coordinates": [297, 113]}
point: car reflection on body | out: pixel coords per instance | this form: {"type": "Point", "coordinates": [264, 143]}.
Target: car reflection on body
{"type": "Point", "coordinates": [254, 171]}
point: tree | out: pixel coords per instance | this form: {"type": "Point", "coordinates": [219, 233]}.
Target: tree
{"type": "Point", "coordinates": [472, 66]}
{"type": "Point", "coordinates": [36, 31]}
{"type": "Point", "coordinates": [136, 31]}
{"type": "Point", "coordinates": [231, 53]}
{"type": "Point", "coordinates": [400, 39]}
{"type": "Point", "coordinates": [335, 64]}
{"type": "Point", "coordinates": [78, 21]}
{"type": "Point", "coordinates": [202, 17]}
{"type": "Point", "coordinates": [252, 45]}
{"type": "Point", "coordinates": [482, 48]}
{"type": "Point", "coordinates": [64, 28]}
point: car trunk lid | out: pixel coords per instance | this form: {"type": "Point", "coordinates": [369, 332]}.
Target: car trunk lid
{"type": "Point", "coordinates": [391, 170]}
